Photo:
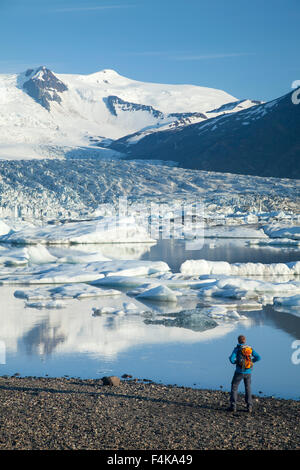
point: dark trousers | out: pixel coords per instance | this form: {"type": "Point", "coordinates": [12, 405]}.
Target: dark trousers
{"type": "Point", "coordinates": [235, 385]}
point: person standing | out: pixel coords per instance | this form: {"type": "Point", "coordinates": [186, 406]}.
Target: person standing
{"type": "Point", "coordinates": [243, 357]}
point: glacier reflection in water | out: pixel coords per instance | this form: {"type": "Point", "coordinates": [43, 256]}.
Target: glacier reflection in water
{"type": "Point", "coordinates": [72, 341]}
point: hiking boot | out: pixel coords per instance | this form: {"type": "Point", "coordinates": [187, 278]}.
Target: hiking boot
{"type": "Point", "coordinates": [232, 408]}
{"type": "Point", "coordinates": [249, 409]}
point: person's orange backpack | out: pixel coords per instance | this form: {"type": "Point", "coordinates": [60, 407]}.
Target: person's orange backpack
{"type": "Point", "coordinates": [244, 357]}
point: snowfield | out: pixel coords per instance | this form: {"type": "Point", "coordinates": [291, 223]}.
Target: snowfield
{"type": "Point", "coordinates": [77, 112]}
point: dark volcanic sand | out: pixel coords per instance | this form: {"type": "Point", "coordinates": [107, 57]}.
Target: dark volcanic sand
{"type": "Point", "coordinates": [61, 413]}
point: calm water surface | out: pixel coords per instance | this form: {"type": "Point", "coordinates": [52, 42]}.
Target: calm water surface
{"type": "Point", "coordinates": [73, 342]}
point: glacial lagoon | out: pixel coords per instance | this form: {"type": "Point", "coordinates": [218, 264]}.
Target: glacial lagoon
{"type": "Point", "coordinates": [144, 341]}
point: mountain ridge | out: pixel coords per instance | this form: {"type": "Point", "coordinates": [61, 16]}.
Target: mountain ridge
{"type": "Point", "coordinates": [263, 140]}
{"type": "Point", "coordinates": [44, 114]}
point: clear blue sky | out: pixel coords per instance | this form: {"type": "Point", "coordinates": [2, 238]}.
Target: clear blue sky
{"type": "Point", "coordinates": [249, 48]}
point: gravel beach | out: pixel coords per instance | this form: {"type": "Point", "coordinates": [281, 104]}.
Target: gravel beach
{"type": "Point", "coordinates": [68, 413]}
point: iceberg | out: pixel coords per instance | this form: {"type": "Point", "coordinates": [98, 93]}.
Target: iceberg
{"type": "Point", "coordinates": [4, 228]}
{"type": "Point", "coordinates": [194, 320]}
{"type": "Point", "coordinates": [91, 272]}
{"type": "Point", "coordinates": [46, 305]}
{"type": "Point", "coordinates": [282, 231]}
{"type": "Point", "coordinates": [202, 266]}
{"type": "Point", "coordinates": [159, 293]}
{"type": "Point", "coordinates": [288, 304]}
{"type": "Point", "coordinates": [68, 291]}
{"type": "Point", "coordinates": [293, 301]}
{"type": "Point", "coordinates": [99, 230]}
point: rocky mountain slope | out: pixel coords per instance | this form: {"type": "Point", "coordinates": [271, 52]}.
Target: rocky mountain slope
{"type": "Point", "coordinates": [263, 140]}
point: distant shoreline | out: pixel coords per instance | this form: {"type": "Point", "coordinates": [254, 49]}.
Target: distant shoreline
{"type": "Point", "coordinates": [69, 413]}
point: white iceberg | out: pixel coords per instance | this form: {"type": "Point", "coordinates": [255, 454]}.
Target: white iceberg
{"type": "Point", "coordinates": [288, 304]}
{"type": "Point", "coordinates": [100, 230]}
{"type": "Point", "coordinates": [276, 242]}
{"type": "Point", "coordinates": [240, 231]}
{"type": "Point", "coordinates": [4, 228]}
{"type": "Point", "coordinates": [91, 272]}
{"type": "Point", "coordinates": [282, 231]}
{"type": "Point", "coordinates": [202, 266]}
{"type": "Point", "coordinates": [159, 293]}
{"type": "Point", "coordinates": [68, 291]}
{"type": "Point", "coordinates": [241, 289]}
{"type": "Point", "coordinates": [293, 301]}
{"type": "Point", "coordinates": [46, 305]}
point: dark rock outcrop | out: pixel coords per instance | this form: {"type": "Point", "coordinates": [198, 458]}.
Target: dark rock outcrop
{"type": "Point", "coordinates": [115, 104]}
{"type": "Point", "coordinates": [43, 86]}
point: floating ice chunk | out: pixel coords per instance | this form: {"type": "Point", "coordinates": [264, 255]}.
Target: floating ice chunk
{"type": "Point", "coordinates": [54, 274]}
{"type": "Point", "coordinates": [240, 231]}
{"type": "Point", "coordinates": [91, 272]}
{"type": "Point", "coordinates": [159, 293]}
{"type": "Point", "coordinates": [200, 267]}
{"type": "Point", "coordinates": [39, 255]}
{"type": "Point", "coordinates": [282, 231]}
{"type": "Point", "coordinates": [215, 312]}
{"type": "Point", "coordinates": [68, 291]}
{"type": "Point", "coordinates": [101, 230]}
{"type": "Point", "coordinates": [276, 242]}
{"type": "Point", "coordinates": [288, 304]}
{"type": "Point", "coordinates": [233, 314]}
{"type": "Point", "coordinates": [195, 320]}
{"type": "Point", "coordinates": [293, 301]}
{"type": "Point", "coordinates": [13, 257]}
{"type": "Point", "coordinates": [222, 312]}
{"type": "Point", "coordinates": [109, 310]}
{"type": "Point", "coordinates": [130, 307]}
{"type": "Point", "coordinates": [47, 305]}
{"type": "Point", "coordinates": [138, 268]}
{"type": "Point", "coordinates": [126, 308]}
{"type": "Point", "coordinates": [241, 289]}
{"type": "Point", "coordinates": [251, 219]}
{"type": "Point", "coordinates": [120, 281]}
{"type": "Point", "coordinates": [4, 228]}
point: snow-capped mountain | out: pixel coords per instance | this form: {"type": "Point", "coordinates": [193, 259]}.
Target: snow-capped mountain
{"type": "Point", "coordinates": [262, 140]}
{"type": "Point", "coordinates": [43, 86]}
{"type": "Point", "coordinates": [44, 114]}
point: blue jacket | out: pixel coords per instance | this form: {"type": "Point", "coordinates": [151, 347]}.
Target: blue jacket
{"type": "Point", "coordinates": [255, 357]}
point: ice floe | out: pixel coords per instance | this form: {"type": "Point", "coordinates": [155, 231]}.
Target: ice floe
{"type": "Point", "coordinates": [195, 320]}
{"type": "Point", "coordinates": [67, 291]}
{"type": "Point", "coordinates": [277, 242]}
{"type": "Point", "coordinates": [91, 272]}
{"type": "Point", "coordinates": [100, 230]}
{"type": "Point", "coordinates": [243, 289]}
{"type": "Point", "coordinates": [126, 308]}
{"type": "Point", "coordinates": [202, 266]}
{"type": "Point", "coordinates": [159, 293]}
{"type": "Point", "coordinates": [45, 305]}
{"type": "Point", "coordinates": [234, 232]}
{"type": "Point", "coordinates": [288, 304]}
{"type": "Point", "coordinates": [282, 231]}
{"type": "Point", "coordinates": [222, 312]}
{"type": "Point", "coordinates": [4, 228]}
